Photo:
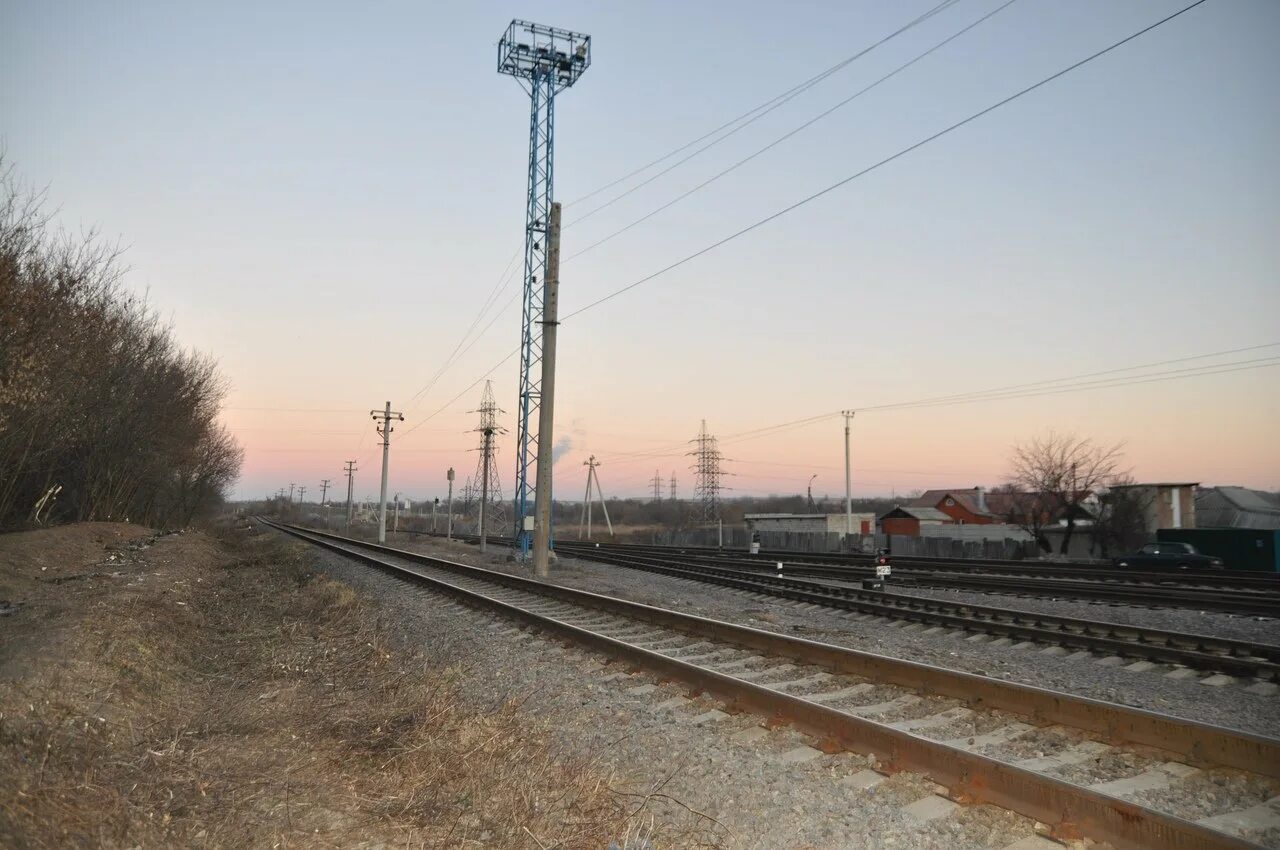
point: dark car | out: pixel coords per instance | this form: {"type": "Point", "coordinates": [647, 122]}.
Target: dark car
{"type": "Point", "coordinates": [1169, 556]}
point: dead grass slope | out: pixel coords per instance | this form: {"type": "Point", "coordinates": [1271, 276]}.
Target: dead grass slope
{"type": "Point", "coordinates": [216, 693]}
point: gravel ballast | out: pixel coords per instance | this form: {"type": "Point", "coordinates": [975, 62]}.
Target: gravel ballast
{"type": "Point", "coordinates": [755, 788]}
{"type": "Point", "coordinates": [1230, 705]}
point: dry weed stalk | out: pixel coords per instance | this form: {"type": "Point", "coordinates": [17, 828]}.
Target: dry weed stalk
{"type": "Point", "coordinates": [265, 706]}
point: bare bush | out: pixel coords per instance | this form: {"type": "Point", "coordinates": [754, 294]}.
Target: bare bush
{"type": "Point", "coordinates": [98, 402]}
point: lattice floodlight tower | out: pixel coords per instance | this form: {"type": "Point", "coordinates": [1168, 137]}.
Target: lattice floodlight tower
{"type": "Point", "coordinates": [546, 61]}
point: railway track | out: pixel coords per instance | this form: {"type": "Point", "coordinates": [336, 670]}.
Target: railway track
{"type": "Point", "coordinates": [1041, 753]}
{"type": "Point", "coordinates": [1196, 652]}
{"type": "Point", "coordinates": [1145, 589]}
{"type": "Point", "coordinates": [1148, 590]}
{"type": "Point", "coordinates": [1217, 579]}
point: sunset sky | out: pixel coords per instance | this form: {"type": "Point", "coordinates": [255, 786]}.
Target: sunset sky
{"type": "Point", "coordinates": [324, 195]}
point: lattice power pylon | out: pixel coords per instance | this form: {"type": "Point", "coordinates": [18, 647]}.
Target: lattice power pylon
{"type": "Point", "coordinates": [707, 472]}
{"type": "Point", "coordinates": [546, 61]}
{"type": "Point", "coordinates": [485, 486]}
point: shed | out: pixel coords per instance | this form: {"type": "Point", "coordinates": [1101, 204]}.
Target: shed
{"type": "Point", "coordinates": [908, 519]}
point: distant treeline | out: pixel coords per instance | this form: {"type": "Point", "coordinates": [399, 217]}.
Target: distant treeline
{"type": "Point", "coordinates": [103, 416]}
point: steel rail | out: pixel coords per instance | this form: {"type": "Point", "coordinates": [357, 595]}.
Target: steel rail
{"type": "Point", "coordinates": [1073, 810]}
{"type": "Point", "coordinates": [1244, 602]}
{"type": "Point", "coordinates": [1219, 578]}
{"type": "Point", "coordinates": [857, 565]}
{"type": "Point", "coordinates": [1238, 658]}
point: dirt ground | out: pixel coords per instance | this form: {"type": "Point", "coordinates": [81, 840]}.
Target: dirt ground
{"type": "Point", "coordinates": [208, 690]}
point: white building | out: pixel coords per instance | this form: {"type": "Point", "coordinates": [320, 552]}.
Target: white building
{"type": "Point", "coordinates": [863, 523]}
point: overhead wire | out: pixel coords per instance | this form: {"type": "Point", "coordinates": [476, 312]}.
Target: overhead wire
{"type": "Point", "coordinates": [1151, 365]}
{"type": "Point", "coordinates": [1029, 390]}
{"type": "Point", "coordinates": [786, 94]}
{"type": "Point", "coordinates": [789, 134]}
{"type": "Point", "coordinates": [503, 281]}
{"type": "Point", "coordinates": [863, 172]}
{"type": "Point", "coordinates": [782, 100]}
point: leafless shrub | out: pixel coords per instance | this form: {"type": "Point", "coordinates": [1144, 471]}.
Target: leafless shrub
{"type": "Point", "coordinates": [95, 393]}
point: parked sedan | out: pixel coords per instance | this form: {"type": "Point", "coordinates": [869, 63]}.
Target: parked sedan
{"type": "Point", "coordinates": [1169, 556]}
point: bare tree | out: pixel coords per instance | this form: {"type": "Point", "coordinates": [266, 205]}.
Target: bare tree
{"type": "Point", "coordinates": [1064, 470]}
{"type": "Point", "coordinates": [1027, 511]}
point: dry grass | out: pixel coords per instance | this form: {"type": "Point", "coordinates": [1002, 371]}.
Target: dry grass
{"type": "Point", "coordinates": [227, 697]}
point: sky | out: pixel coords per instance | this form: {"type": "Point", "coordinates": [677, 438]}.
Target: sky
{"type": "Point", "coordinates": [324, 196]}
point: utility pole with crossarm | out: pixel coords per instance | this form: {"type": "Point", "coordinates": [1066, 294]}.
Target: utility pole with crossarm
{"type": "Point", "coordinates": [384, 431]}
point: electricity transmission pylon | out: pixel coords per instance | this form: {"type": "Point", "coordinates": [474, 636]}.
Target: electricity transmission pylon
{"type": "Point", "coordinates": [707, 472]}
{"type": "Point", "coordinates": [490, 509]}
{"type": "Point", "coordinates": [657, 486]}
{"type": "Point", "coordinates": [546, 60]}
{"type": "Point", "coordinates": [673, 485]}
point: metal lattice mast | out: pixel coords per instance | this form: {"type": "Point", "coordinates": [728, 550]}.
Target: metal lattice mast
{"type": "Point", "coordinates": [673, 485]}
{"type": "Point", "coordinates": [707, 473]}
{"type": "Point", "coordinates": [546, 60]}
{"type": "Point", "coordinates": [656, 483]}
{"type": "Point", "coordinates": [481, 491]}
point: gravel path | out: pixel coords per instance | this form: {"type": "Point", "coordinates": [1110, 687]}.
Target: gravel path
{"type": "Point", "coordinates": [1230, 705]}
{"type": "Point", "coordinates": [758, 789]}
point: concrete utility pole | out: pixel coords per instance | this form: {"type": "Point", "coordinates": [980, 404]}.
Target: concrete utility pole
{"type": "Point", "coordinates": [586, 499]}
{"type": "Point", "coordinates": [848, 476]}
{"type": "Point", "coordinates": [384, 431]}
{"type": "Point", "coordinates": [546, 404]}
{"type": "Point", "coordinates": [593, 479]}
{"type": "Point", "coordinates": [324, 489]}
{"type": "Point", "coordinates": [351, 471]}
{"type": "Point", "coordinates": [449, 527]}
{"type": "Point", "coordinates": [291, 486]}
{"type": "Point", "coordinates": [435, 506]}
{"type": "Point", "coordinates": [302, 495]}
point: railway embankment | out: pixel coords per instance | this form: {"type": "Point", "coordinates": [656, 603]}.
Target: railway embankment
{"type": "Point", "coordinates": [213, 690]}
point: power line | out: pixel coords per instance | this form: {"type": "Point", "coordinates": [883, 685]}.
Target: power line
{"type": "Point", "coordinates": [903, 152]}
{"type": "Point", "coordinates": [1035, 389]}
{"type": "Point", "coordinates": [771, 105]}
{"type": "Point", "coordinates": [1175, 374]}
{"type": "Point", "coordinates": [788, 134]}
{"type": "Point", "coordinates": [504, 280]}
{"type": "Point", "coordinates": [468, 389]}
{"type": "Point", "coordinates": [1085, 375]}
